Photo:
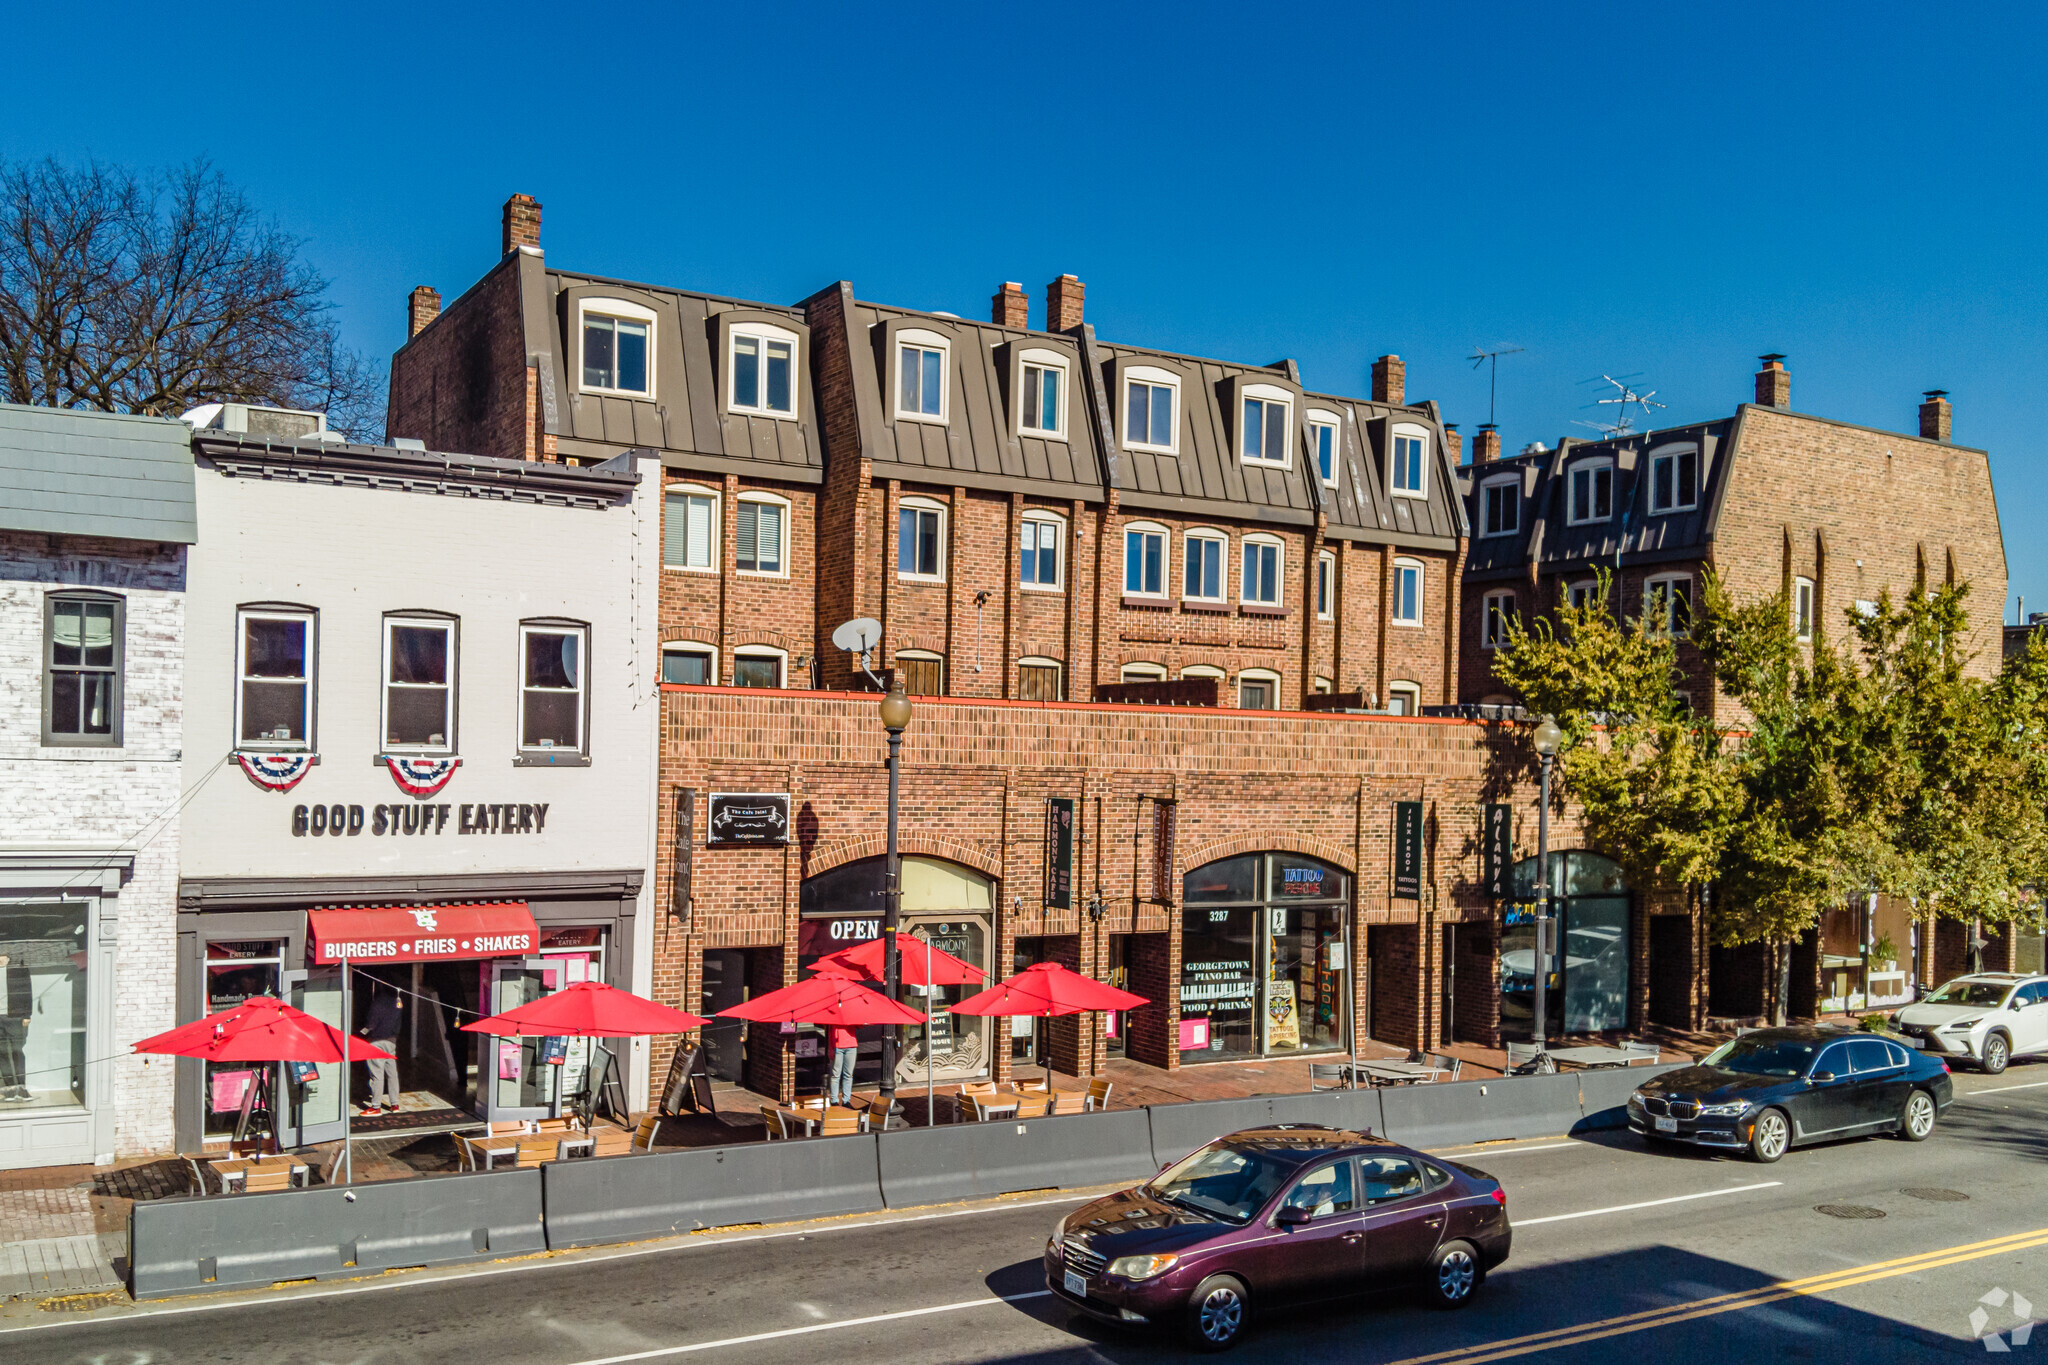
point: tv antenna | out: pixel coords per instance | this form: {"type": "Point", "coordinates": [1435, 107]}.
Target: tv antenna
{"type": "Point", "coordinates": [1625, 396]}
{"type": "Point", "coordinates": [1481, 356]}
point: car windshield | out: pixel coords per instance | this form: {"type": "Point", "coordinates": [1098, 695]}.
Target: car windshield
{"type": "Point", "coordinates": [1763, 1057]}
{"type": "Point", "coordinates": [1231, 1181]}
{"type": "Point", "coordinates": [1969, 993]}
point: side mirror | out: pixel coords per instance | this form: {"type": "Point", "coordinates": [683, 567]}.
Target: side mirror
{"type": "Point", "coordinates": [1821, 1077]}
{"type": "Point", "coordinates": [1291, 1216]}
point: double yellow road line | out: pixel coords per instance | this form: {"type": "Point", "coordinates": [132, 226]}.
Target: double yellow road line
{"type": "Point", "coordinates": [1728, 1303]}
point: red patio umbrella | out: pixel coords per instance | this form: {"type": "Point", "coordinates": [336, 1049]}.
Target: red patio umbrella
{"type": "Point", "coordinates": [1046, 990]}
{"type": "Point", "coordinates": [587, 1009]}
{"type": "Point", "coordinates": [261, 1029]}
{"type": "Point", "coordinates": [865, 961]}
{"type": "Point", "coordinates": [827, 998]}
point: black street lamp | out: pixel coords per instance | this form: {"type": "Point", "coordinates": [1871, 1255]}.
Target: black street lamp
{"type": "Point", "coordinates": [1547, 739]}
{"type": "Point", "coordinates": [895, 718]}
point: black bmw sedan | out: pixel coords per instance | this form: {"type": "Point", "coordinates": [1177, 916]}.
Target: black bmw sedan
{"type": "Point", "coordinates": [1270, 1218]}
{"type": "Point", "coordinates": [1775, 1089]}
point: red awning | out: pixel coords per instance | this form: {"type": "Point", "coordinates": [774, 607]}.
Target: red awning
{"type": "Point", "coordinates": [423, 933]}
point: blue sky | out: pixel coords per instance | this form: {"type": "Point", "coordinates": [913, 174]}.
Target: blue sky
{"type": "Point", "coordinates": [1663, 191]}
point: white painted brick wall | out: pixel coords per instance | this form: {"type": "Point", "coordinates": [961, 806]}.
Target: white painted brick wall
{"type": "Point", "coordinates": [104, 799]}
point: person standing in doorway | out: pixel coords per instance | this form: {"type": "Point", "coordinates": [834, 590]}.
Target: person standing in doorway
{"type": "Point", "coordinates": [386, 1012]}
{"type": "Point", "coordinates": [845, 1045]}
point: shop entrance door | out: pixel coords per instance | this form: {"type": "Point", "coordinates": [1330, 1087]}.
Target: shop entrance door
{"type": "Point", "coordinates": [518, 1081]}
{"type": "Point", "coordinates": [311, 1112]}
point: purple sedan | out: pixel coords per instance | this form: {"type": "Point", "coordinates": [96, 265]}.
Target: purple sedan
{"type": "Point", "coordinates": [1275, 1217]}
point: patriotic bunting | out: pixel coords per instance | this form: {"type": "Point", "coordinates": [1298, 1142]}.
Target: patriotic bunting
{"type": "Point", "coordinates": [421, 776]}
{"type": "Point", "coordinates": [276, 772]}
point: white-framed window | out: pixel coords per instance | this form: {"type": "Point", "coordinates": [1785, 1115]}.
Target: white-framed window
{"type": "Point", "coordinates": [1260, 585]}
{"type": "Point", "coordinates": [616, 343]}
{"type": "Point", "coordinates": [1323, 440]}
{"type": "Point", "coordinates": [763, 369]}
{"type": "Point", "coordinates": [1582, 593]}
{"type": "Point", "coordinates": [1589, 491]}
{"type": "Point", "coordinates": [921, 364]}
{"type": "Point", "coordinates": [1144, 560]}
{"type": "Point", "coordinates": [1206, 671]}
{"type": "Point", "coordinates": [689, 529]}
{"type": "Point", "coordinates": [1041, 552]}
{"type": "Point", "coordinates": [1262, 436]}
{"type": "Point", "coordinates": [1404, 699]}
{"type": "Point", "coordinates": [274, 663]}
{"type": "Point", "coordinates": [1258, 689]}
{"type": "Point", "coordinates": [760, 666]}
{"type": "Point", "coordinates": [1042, 396]}
{"type": "Point", "coordinates": [419, 684]}
{"type": "Point", "coordinates": [1040, 679]}
{"type": "Point", "coordinates": [1408, 586]}
{"type": "Point", "coordinates": [1667, 604]}
{"type": "Point", "coordinates": [553, 686]}
{"type": "Point", "coordinates": [1497, 609]}
{"type": "Point", "coordinates": [762, 536]}
{"type": "Point", "coordinates": [1143, 673]}
{"type": "Point", "coordinates": [1151, 409]}
{"type": "Point", "coordinates": [1326, 585]}
{"type": "Point", "coordinates": [1674, 479]}
{"type": "Point", "coordinates": [1500, 506]}
{"type": "Point", "coordinates": [923, 672]}
{"type": "Point", "coordinates": [689, 662]}
{"type": "Point", "coordinates": [1802, 608]}
{"type": "Point", "coordinates": [1409, 475]}
{"type": "Point", "coordinates": [1205, 565]}
{"type": "Point", "coordinates": [1321, 686]}
{"type": "Point", "coordinates": [921, 540]}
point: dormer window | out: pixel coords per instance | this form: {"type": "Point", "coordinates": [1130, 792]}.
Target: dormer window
{"type": "Point", "coordinates": [763, 368]}
{"type": "Point", "coordinates": [921, 375]}
{"type": "Point", "coordinates": [1322, 444]}
{"type": "Point", "coordinates": [1042, 405]}
{"type": "Point", "coordinates": [1500, 507]}
{"type": "Point", "coordinates": [1409, 477]}
{"type": "Point", "coordinates": [1667, 605]}
{"type": "Point", "coordinates": [618, 354]}
{"type": "Point", "coordinates": [1674, 480]}
{"type": "Point", "coordinates": [1263, 439]}
{"type": "Point", "coordinates": [1591, 492]}
{"type": "Point", "coordinates": [1151, 409]}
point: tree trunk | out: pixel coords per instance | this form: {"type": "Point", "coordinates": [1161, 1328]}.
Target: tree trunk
{"type": "Point", "coordinates": [1782, 1011]}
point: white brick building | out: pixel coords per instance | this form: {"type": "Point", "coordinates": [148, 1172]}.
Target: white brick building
{"type": "Point", "coordinates": [96, 514]}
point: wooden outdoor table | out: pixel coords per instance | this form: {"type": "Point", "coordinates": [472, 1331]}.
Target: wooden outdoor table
{"type": "Point", "coordinates": [232, 1170]}
{"type": "Point", "coordinates": [1594, 1057]}
{"type": "Point", "coordinates": [810, 1118]}
{"type": "Point", "coordinates": [1397, 1072]}
{"type": "Point", "coordinates": [999, 1103]}
{"type": "Point", "coordinates": [490, 1149]}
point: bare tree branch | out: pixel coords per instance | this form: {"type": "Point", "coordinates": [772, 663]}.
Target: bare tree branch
{"type": "Point", "coordinates": [127, 293]}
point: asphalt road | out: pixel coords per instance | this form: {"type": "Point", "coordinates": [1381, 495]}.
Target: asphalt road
{"type": "Point", "coordinates": [1621, 1255]}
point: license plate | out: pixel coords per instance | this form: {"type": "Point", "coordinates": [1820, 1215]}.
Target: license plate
{"type": "Point", "coordinates": [1667, 1125]}
{"type": "Point", "coordinates": [1077, 1285]}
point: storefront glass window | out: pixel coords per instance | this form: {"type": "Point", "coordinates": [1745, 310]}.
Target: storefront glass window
{"type": "Point", "coordinates": [236, 970]}
{"type": "Point", "coordinates": [1262, 975]}
{"type": "Point", "coordinates": [1588, 977]}
{"type": "Point", "coordinates": [1232, 879]}
{"type": "Point", "coordinates": [42, 1005]}
{"type": "Point", "coordinates": [1219, 984]}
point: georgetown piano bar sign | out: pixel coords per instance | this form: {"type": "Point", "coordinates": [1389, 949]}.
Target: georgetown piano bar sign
{"type": "Point", "coordinates": [743, 818]}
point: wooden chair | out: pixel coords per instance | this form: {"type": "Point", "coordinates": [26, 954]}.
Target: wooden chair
{"type": "Point", "coordinates": [968, 1106]}
{"type": "Point", "coordinates": [266, 1178]}
{"type": "Point", "coordinates": [1098, 1093]}
{"type": "Point", "coordinates": [535, 1150]}
{"type": "Point", "coordinates": [1525, 1060]}
{"type": "Point", "coordinates": [1068, 1102]}
{"type": "Point", "coordinates": [1338, 1074]}
{"type": "Point", "coordinates": [196, 1163]}
{"type": "Point", "coordinates": [772, 1118]}
{"type": "Point", "coordinates": [840, 1125]}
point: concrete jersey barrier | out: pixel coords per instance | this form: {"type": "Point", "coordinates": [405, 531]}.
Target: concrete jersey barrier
{"type": "Point", "coordinates": [623, 1199]}
{"type": "Point", "coordinates": [191, 1245]}
{"type": "Point", "coordinates": [1459, 1113]}
{"type": "Point", "coordinates": [978, 1160]}
{"type": "Point", "coordinates": [1603, 1095]}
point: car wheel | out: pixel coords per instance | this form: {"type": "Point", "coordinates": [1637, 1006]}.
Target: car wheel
{"type": "Point", "coordinates": [1771, 1136]}
{"type": "Point", "coordinates": [1918, 1119]}
{"type": "Point", "coordinates": [1997, 1052]}
{"type": "Point", "coordinates": [1454, 1275]}
{"type": "Point", "coordinates": [1217, 1313]}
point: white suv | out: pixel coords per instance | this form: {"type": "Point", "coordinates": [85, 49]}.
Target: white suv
{"type": "Point", "coordinates": [1988, 1018]}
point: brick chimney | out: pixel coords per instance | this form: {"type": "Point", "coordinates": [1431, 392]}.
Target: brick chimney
{"type": "Point", "coordinates": [1936, 416]}
{"type": "Point", "coordinates": [1009, 307]}
{"type": "Point", "coordinates": [421, 308]}
{"type": "Point", "coordinates": [1486, 449]}
{"type": "Point", "coordinates": [1063, 298]}
{"type": "Point", "coordinates": [1773, 383]}
{"type": "Point", "coordinates": [1390, 381]}
{"type": "Point", "coordinates": [522, 223]}
{"type": "Point", "coordinates": [1456, 442]}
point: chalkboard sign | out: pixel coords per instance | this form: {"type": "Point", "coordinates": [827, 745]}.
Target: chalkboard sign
{"type": "Point", "coordinates": [1407, 850]}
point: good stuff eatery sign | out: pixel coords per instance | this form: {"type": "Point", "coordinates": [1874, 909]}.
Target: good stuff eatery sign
{"type": "Point", "coordinates": [525, 817]}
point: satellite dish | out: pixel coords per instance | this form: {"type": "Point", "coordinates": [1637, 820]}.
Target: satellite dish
{"type": "Point", "coordinates": [859, 635]}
